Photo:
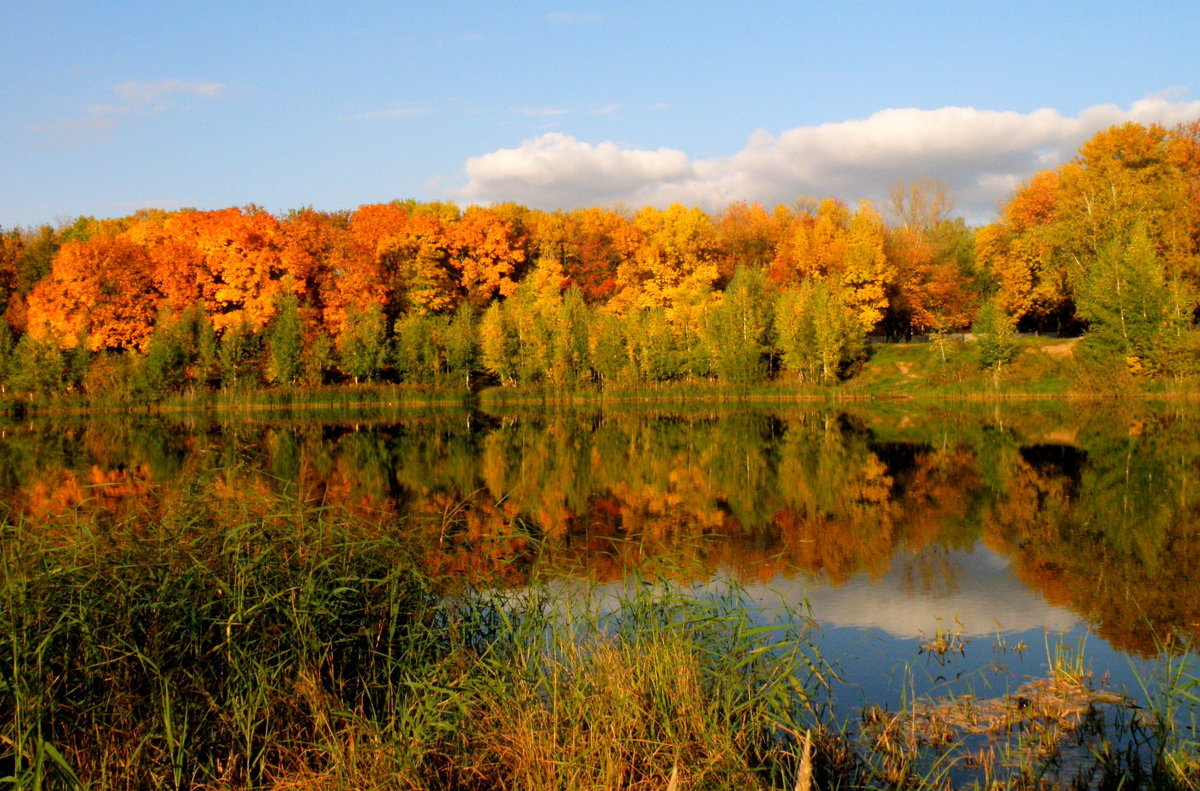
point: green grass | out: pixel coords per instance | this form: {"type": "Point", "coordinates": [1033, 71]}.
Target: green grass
{"type": "Point", "coordinates": [330, 396]}
{"type": "Point", "coordinates": [1042, 367]}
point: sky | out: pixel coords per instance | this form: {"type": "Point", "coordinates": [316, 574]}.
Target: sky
{"type": "Point", "coordinates": [107, 108]}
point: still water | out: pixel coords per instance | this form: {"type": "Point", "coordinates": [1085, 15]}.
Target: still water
{"type": "Point", "coordinates": [1008, 534]}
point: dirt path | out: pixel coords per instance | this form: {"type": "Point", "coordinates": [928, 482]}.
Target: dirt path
{"type": "Point", "coordinates": [1061, 350]}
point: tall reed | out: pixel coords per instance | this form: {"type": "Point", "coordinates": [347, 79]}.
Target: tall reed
{"type": "Point", "coordinates": [259, 642]}
{"type": "Point", "coordinates": [262, 644]}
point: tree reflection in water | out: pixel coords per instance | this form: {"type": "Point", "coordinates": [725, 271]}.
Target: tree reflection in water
{"type": "Point", "coordinates": [1093, 510]}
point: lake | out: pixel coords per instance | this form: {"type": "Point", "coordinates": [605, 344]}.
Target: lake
{"type": "Point", "coordinates": [894, 520]}
{"type": "Point", "coordinates": [944, 548]}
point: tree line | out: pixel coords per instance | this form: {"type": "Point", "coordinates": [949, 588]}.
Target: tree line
{"type": "Point", "coordinates": [159, 302]}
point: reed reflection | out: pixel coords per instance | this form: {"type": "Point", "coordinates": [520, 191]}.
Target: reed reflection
{"type": "Point", "coordinates": [1094, 511]}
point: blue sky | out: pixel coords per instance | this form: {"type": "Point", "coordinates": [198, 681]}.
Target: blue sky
{"type": "Point", "coordinates": [109, 107]}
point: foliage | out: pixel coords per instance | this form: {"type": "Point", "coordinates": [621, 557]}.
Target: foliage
{"type": "Point", "coordinates": [995, 337]}
{"type": "Point", "coordinates": [284, 347]}
{"type": "Point", "coordinates": [238, 357]}
{"type": "Point", "coordinates": [462, 345]}
{"type": "Point", "coordinates": [1126, 299]}
{"type": "Point", "coordinates": [170, 352]}
{"type": "Point", "coordinates": [102, 288]}
{"type": "Point", "coordinates": [6, 353]}
{"type": "Point", "coordinates": [819, 336]}
{"type": "Point", "coordinates": [37, 367]}
{"type": "Point", "coordinates": [738, 330]}
{"type": "Point", "coordinates": [498, 344]}
{"type": "Point", "coordinates": [318, 358]}
{"type": "Point", "coordinates": [420, 353]}
{"type": "Point", "coordinates": [607, 347]}
{"type": "Point", "coordinates": [362, 343]}
{"type": "Point", "coordinates": [584, 298]}
{"type": "Point", "coordinates": [653, 345]}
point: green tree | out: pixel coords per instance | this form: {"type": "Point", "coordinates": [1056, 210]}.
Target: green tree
{"type": "Point", "coordinates": [606, 347]}
{"type": "Point", "coordinates": [37, 256]}
{"type": "Point", "coordinates": [995, 337]}
{"type": "Point", "coordinates": [819, 336]}
{"type": "Point", "coordinates": [738, 329]}
{"type": "Point", "coordinates": [654, 346]}
{"type": "Point", "coordinates": [362, 343]}
{"type": "Point", "coordinates": [38, 367]}
{"type": "Point", "coordinates": [1127, 301]}
{"type": "Point", "coordinates": [284, 341]}
{"type": "Point", "coordinates": [498, 344]}
{"type": "Point", "coordinates": [317, 359]}
{"type": "Point", "coordinates": [6, 353]}
{"type": "Point", "coordinates": [569, 363]}
{"type": "Point", "coordinates": [239, 356]}
{"type": "Point", "coordinates": [206, 365]}
{"type": "Point", "coordinates": [77, 363]}
{"type": "Point", "coordinates": [462, 345]}
{"type": "Point", "coordinates": [163, 368]}
{"type": "Point", "coordinates": [419, 354]}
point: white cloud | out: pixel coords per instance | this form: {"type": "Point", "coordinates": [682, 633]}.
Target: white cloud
{"type": "Point", "coordinates": [134, 98]}
{"type": "Point", "coordinates": [980, 594]}
{"type": "Point", "coordinates": [557, 169]}
{"type": "Point", "coordinates": [981, 154]}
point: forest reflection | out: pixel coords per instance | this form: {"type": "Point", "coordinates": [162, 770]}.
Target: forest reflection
{"type": "Point", "coordinates": [1095, 509]}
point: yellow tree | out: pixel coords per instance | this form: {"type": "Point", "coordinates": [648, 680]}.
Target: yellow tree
{"type": "Point", "coordinates": [1132, 179]}
{"type": "Point", "coordinates": [1184, 153]}
{"type": "Point", "coordinates": [819, 247]}
{"type": "Point", "coordinates": [1123, 177]}
{"type": "Point", "coordinates": [1057, 226]}
{"type": "Point", "coordinates": [813, 242]}
{"type": "Point", "coordinates": [674, 254]}
{"type": "Point", "coordinates": [671, 268]}
{"type": "Point", "coordinates": [552, 235]}
{"type": "Point", "coordinates": [865, 272]}
{"type": "Point", "coordinates": [1018, 252]}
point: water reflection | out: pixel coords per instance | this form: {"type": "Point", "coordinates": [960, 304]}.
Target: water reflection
{"type": "Point", "coordinates": [1007, 518]}
{"type": "Point", "coordinates": [985, 599]}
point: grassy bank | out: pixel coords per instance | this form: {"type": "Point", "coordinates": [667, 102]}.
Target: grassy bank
{"type": "Point", "coordinates": [1042, 368]}
{"type": "Point", "coordinates": [276, 645]}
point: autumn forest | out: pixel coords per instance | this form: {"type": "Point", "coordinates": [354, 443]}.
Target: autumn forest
{"type": "Point", "coordinates": [156, 303]}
